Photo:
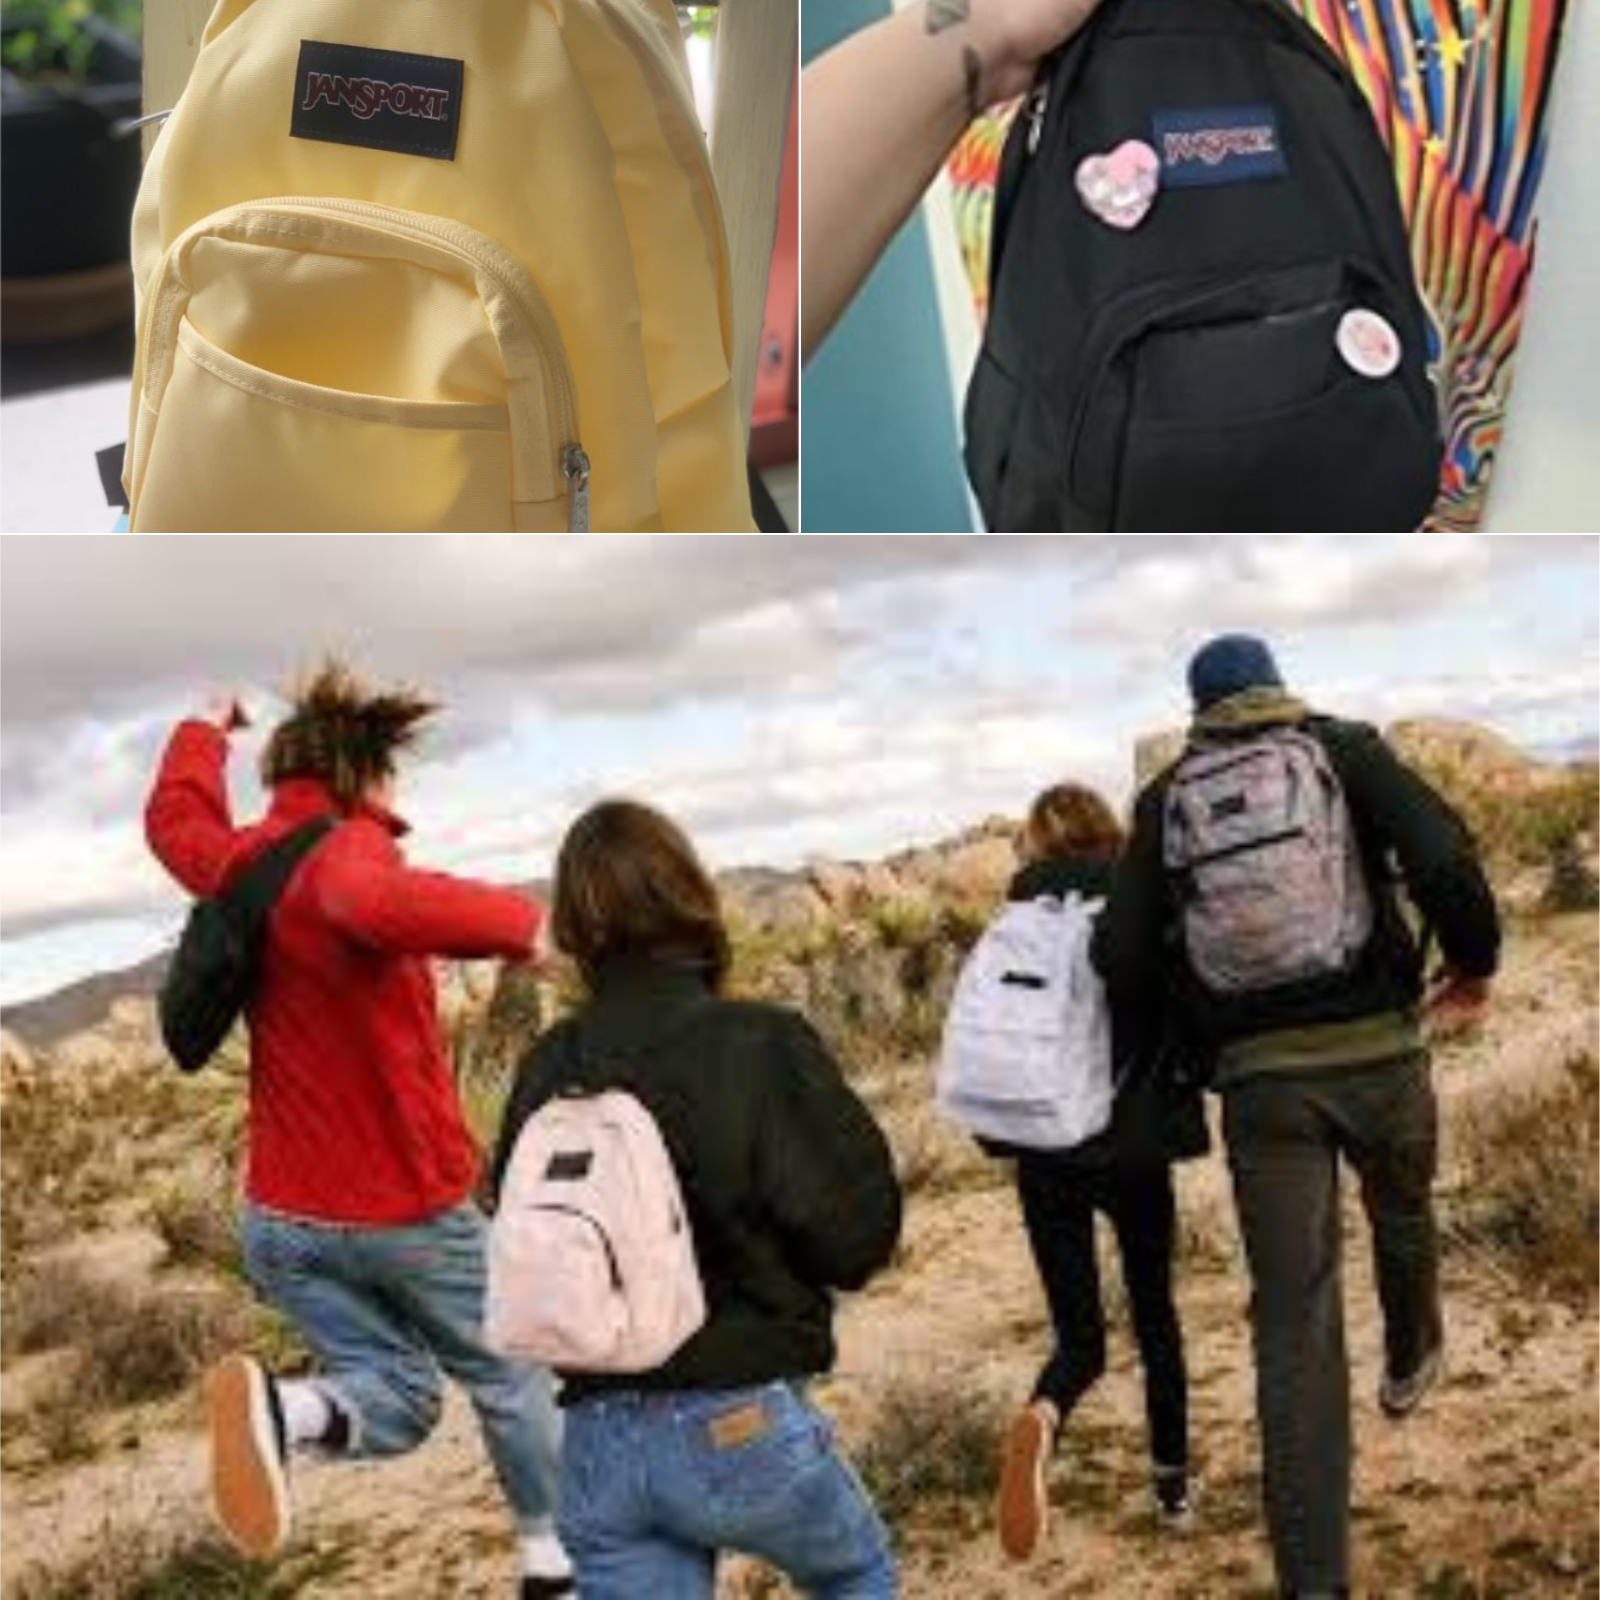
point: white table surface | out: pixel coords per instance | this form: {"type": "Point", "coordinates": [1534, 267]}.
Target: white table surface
{"type": "Point", "coordinates": [49, 482]}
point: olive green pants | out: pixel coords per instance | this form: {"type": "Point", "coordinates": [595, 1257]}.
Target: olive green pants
{"type": "Point", "coordinates": [1285, 1137]}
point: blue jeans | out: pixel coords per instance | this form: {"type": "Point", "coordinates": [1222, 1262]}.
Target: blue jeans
{"type": "Point", "coordinates": [385, 1309]}
{"type": "Point", "coordinates": [654, 1485]}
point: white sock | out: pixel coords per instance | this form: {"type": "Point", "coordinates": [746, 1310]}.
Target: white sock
{"type": "Point", "coordinates": [542, 1555]}
{"type": "Point", "coordinates": [307, 1411]}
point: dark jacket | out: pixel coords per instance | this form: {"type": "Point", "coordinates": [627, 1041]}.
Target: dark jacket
{"type": "Point", "coordinates": [789, 1183]}
{"type": "Point", "coordinates": [1156, 1119]}
{"type": "Point", "coordinates": [1408, 836]}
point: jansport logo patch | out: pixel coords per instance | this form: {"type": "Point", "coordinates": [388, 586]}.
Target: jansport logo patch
{"type": "Point", "coordinates": [367, 97]}
{"type": "Point", "coordinates": [382, 99]}
{"type": "Point", "coordinates": [1229, 144]}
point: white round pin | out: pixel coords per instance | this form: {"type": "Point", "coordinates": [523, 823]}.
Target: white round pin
{"type": "Point", "coordinates": [1368, 343]}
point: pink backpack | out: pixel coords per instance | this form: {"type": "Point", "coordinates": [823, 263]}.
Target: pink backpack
{"type": "Point", "coordinates": [591, 1259]}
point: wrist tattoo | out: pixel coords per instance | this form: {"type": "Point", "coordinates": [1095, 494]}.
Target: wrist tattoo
{"type": "Point", "coordinates": [942, 14]}
{"type": "Point", "coordinates": [972, 67]}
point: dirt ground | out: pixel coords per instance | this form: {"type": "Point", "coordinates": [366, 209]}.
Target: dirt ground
{"type": "Point", "coordinates": [1489, 1491]}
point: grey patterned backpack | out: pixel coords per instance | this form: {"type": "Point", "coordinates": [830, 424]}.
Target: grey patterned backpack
{"type": "Point", "coordinates": [1270, 878]}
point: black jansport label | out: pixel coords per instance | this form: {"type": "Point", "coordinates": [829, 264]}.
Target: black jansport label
{"type": "Point", "coordinates": [383, 99]}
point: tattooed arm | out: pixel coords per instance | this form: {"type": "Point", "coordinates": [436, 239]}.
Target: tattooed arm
{"type": "Point", "coordinates": [881, 111]}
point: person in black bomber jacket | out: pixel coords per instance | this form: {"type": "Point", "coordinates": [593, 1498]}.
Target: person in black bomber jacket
{"type": "Point", "coordinates": [792, 1196]}
{"type": "Point", "coordinates": [1314, 1070]}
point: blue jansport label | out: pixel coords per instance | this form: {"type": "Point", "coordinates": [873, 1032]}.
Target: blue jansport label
{"type": "Point", "coordinates": [1223, 144]}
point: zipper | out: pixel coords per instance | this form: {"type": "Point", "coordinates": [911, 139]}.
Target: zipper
{"type": "Point", "coordinates": [525, 292]}
{"type": "Point", "coordinates": [1038, 104]}
{"type": "Point", "coordinates": [572, 460]}
{"type": "Point", "coordinates": [575, 469]}
{"type": "Point", "coordinates": [1244, 847]}
{"type": "Point", "coordinates": [604, 1237]}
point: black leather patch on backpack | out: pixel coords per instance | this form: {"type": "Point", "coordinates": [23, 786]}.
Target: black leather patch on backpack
{"type": "Point", "coordinates": [383, 99]}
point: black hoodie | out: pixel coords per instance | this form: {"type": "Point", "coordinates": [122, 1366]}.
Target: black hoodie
{"type": "Point", "coordinates": [789, 1183]}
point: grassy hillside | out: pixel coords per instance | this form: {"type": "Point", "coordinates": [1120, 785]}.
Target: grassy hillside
{"type": "Point", "coordinates": [121, 1281]}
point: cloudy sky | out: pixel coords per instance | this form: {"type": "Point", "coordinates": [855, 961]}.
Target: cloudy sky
{"type": "Point", "coordinates": [783, 697]}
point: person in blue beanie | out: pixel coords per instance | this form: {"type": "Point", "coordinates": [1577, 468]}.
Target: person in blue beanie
{"type": "Point", "coordinates": [1259, 901]}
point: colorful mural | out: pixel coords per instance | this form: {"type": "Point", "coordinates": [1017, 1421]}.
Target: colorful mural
{"type": "Point", "coordinates": [1460, 90]}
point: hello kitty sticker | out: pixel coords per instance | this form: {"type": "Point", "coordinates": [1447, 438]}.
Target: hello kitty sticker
{"type": "Point", "coordinates": [1120, 188]}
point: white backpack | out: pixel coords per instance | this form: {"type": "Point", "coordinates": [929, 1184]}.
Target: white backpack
{"type": "Point", "coordinates": [591, 1259]}
{"type": "Point", "coordinates": [1026, 1057]}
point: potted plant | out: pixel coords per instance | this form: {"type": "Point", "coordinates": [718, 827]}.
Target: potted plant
{"type": "Point", "coordinates": [69, 71]}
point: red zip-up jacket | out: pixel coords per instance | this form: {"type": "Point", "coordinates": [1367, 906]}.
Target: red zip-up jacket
{"type": "Point", "coordinates": [354, 1116]}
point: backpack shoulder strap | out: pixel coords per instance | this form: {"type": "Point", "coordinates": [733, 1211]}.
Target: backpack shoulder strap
{"type": "Point", "coordinates": [262, 883]}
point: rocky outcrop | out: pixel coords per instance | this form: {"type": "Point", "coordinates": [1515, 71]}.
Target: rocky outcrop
{"type": "Point", "coordinates": [1471, 759]}
{"type": "Point", "coordinates": [16, 1062]}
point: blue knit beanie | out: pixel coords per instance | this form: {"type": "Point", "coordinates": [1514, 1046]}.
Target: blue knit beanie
{"type": "Point", "coordinates": [1229, 664]}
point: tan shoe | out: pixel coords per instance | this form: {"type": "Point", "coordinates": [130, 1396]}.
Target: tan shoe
{"type": "Point", "coordinates": [1023, 1506]}
{"type": "Point", "coordinates": [249, 1475]}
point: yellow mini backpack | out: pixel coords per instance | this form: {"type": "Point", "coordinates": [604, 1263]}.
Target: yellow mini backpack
{"type": "Point", "coordinates": [434, 265]}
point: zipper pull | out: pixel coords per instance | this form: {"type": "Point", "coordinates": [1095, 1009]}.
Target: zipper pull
{"type": "Point", "coordinates": [575, 469]}
{"type": "Point", "coordinates": [1038, 104]}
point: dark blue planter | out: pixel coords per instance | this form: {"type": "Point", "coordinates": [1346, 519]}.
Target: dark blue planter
{"type": "Point", "coordinates": [66, 200]}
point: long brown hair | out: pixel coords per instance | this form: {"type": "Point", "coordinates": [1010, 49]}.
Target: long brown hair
{"type": "Point", "coordinates": [343, 733]}
{"type": "Point", "coordinates": [1069, 819]}
{"type": "Point", "coordinates": [628, 883]}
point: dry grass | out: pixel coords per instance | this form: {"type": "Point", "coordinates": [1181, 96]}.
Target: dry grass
{"type": "Point", "coordinates": [162, 1342]}
{"type": "Point", "coordinates": [79, 1141]}
{"type": "Point", "coordinates": [117, 1346]}
{"type": "Point", "coordinates": [932, 1438]}
{"type": "Point", "coordinates": [194, 1217]}
{"type": "Point", "coordinates": [129, 1562]}
{"type": "Point", "coordinates": [1530, 1190]}
{"type": "Point", "coordinates": [53, 1302]}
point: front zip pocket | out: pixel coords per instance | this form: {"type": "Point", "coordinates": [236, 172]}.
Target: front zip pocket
{"type": "Point", "coordinates": [1227, 406]}
{"type": "Point", "coordinates": [316, 364]}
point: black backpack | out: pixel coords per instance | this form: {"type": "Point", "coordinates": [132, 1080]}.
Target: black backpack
{"type": "Point", "coordinates": [1245, 350]}
{"type": "Point", "coordinates": [214, 968]}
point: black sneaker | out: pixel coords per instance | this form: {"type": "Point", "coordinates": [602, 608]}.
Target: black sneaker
{"type": "Point", "coordinates": [546, 1588]}
{"type": "Point", "coordinates": [249, 1456]}
{"type": "Point", "coordinates": [1174, 1498]}
{"type": "Point", "coordinates": [1399, 1397]}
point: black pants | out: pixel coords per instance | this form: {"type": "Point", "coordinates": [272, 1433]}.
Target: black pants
{"type": "Point", "coordinates": [1285, 1138]}
{"type": "Point", "coordinates": [1059, 1203]}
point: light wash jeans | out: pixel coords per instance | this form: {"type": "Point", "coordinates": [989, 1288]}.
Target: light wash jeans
{"type": "Point", "coordinates": [385, 1309]}
{"type": "Point", "coordinates": [652, 1490]}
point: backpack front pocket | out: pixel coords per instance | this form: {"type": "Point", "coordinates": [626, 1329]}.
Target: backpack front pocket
{"type": "Point", "coordinates": [1233, 408]}
{"type": "Point", "coordinates": [313, 365]}
{"type": "Point", "coordinates": [1351, 458]}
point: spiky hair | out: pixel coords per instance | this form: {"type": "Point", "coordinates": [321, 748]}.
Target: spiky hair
{"type": "Point", "coordinates": [342, 732]}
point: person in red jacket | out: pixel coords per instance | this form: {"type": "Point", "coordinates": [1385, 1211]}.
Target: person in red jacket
{"type": "Point", "coordinates": [359, 1219]}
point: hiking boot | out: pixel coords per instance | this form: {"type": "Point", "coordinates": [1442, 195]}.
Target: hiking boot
{"type": "Point", "coordinates": [249, 1456]}
{"type": "Point", "coordinates": [1399, 1397]}
{"type": "Point", "coordinates": [1023, 1506]}
{"type": "Point", "coordinates": [1174, 1498]}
